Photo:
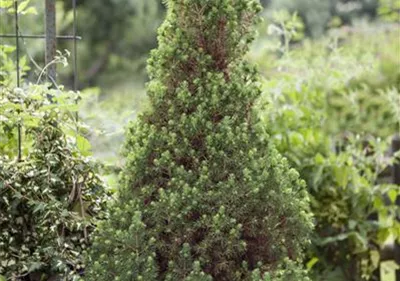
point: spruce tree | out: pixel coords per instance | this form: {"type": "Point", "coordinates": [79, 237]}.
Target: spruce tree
{"type": "Point", "coordinates": [204, 195]}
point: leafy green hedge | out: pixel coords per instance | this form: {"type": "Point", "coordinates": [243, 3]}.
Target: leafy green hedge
{"type": "Point", "coordinates": [50, 192]}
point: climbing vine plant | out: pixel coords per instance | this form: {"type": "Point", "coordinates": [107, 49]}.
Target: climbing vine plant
{"type": "Point", "coordinates": [50, 193]}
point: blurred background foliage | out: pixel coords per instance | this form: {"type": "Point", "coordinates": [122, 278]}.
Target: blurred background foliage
{"type": "Point", "coordinates": [331, 106]}
{"type": "Point", "coordinates": [330, 70]}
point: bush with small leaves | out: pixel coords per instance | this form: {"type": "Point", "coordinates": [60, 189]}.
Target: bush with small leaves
{"type": "Point", "coordinates": [204, 195]}
{"type": "Point", "coordinates": [333, 112]}
{"type": "Point", "coordinates": [50, 196]}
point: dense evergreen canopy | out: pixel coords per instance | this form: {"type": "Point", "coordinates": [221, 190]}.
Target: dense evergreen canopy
{"type": "Point", "coordinates": [204, 194]}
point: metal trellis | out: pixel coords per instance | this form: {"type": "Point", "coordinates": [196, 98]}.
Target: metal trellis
{"type": "Point", "coordinates": [50, 51]}
{"type": "Point", "coordinates": [51, 41]}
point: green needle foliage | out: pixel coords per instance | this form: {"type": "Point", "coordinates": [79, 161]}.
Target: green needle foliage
{"type": "Point", "coordinates": [205, 195]}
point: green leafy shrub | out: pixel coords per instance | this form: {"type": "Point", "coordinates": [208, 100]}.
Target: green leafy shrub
{"type": "Point", "coordinates": [332, 110]}
{"type": "Point", "coordinates": [368, 103]}
{"type": "Point", "coordinates": [205, 195]}
{"type": "Point", "coordinates": [50, 192]}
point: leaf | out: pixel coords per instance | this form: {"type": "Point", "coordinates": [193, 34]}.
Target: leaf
{"type": "Point", "coordinates": [19, 220]}
{"type": "Point", "coordinates": [2, 278]}
{"type": "Point", "coordinates": [318, 176]}
{"type": "Point", "coordinates": [378, 203]}
{"type": "Point", "coordinates": [319, 159]}
{"type": "Point", "coordinates": [383, 235]}
{"type": "Point", "coordinates": [375, 258]}
{"type": "Point", "coordinates": [341, 175]}
{"type": "Point", "coordinates": [83, 145]}
{"type": "Point", "coordinates": [39, 207]}
{"type": "Point", "coordinates": [333, 239]}
{"type": "Point", "coordinates": [363, 242]}
{"type": "Point", "coordinates": [34, 266]}
{"type": "Point", "coordinates": [30, 11]}
{"type": "Point", "coordinates": [23, 5]}
{"type": "Point", "coordinates": [4, 4]}
{"type": "Point", "coordinates": [392, 195]}
{"type": "Point", "coordinates": [388, 270]}
{"type": "Point", "coordinates": [352, 224]}
{"type": "Point", "coordinates": [312, 262]}
{"type": "Point", "coordinates": [7, 48]}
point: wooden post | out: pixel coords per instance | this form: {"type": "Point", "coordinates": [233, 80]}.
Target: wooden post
{"type": "Point", "coordinates": [51, 42]}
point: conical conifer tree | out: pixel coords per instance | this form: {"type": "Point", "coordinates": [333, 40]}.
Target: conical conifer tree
{"type": "Point", "coordinates": [204, 194]}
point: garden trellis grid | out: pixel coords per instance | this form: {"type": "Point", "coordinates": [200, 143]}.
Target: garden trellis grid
{"type": "Point", "coordinates": [51, 48]}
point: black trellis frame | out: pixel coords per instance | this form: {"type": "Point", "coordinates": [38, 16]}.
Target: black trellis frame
{"type": "Point", "coordinates": [50, 52]}
{"type": "Point", "coordinates": [51, 40]}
